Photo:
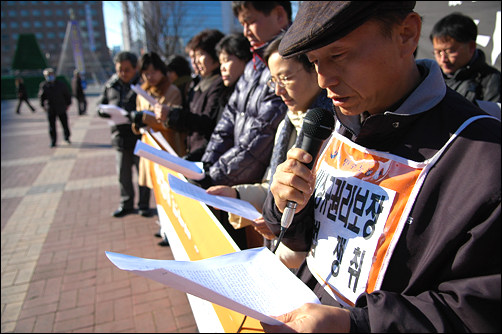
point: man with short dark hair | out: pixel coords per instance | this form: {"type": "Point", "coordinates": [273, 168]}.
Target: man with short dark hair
{"type": "Point", "coordinates": [118, 92]}
{"type": "Point", "coordinates": [464, 65]}
{"type": "Point", "coordinates": [399, 220]}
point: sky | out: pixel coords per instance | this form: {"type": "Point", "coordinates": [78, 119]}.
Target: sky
{"type": "Point", "coordinates": [112, 11]}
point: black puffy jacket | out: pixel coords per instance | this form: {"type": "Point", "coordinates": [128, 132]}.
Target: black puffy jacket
{"type": "Point", "coordinates": [241, 144]}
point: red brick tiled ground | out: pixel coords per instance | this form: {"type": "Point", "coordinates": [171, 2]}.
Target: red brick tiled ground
{"type": "Point", "coordinates": [56, 226]}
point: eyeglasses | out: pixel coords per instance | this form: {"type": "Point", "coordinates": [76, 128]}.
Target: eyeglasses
{"type": "Point", "coordinates": [447, 53]}
{"type": "Point", "coordinates": [282, 81]}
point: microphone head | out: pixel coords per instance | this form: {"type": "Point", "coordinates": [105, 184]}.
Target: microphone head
{"type": "Point", "coordinates": [318, 123]}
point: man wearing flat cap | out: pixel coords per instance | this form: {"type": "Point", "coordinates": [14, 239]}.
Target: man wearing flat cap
{"type": "Point", "coordinates": [396, 228]}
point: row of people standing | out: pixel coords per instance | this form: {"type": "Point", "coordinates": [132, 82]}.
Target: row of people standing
{"type": "Point", "coordinates": [239, 145]}
{"type": "Point", "coordinates": [444, 267]}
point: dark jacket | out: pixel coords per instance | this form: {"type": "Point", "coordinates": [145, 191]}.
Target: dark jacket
{"type": "Point", "coordinates": [476, 81]}
{"type": "Point", "coordinates": [76, 86]}
{"type": "Point", "coordinates": [22, 93]}
{"type": "Point", "coordinates": [120, 94]}
{"type": "Point", "coordinates": [54, 96]}
{"type": "Point", "coordinates": [444, 275]}
{"type": "Point", "coordinates": [241, 145]}
{"type": "Point", "coordinates": [199, 121]}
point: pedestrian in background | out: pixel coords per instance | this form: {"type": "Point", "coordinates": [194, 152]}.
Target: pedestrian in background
{"type": "Point", "coordinates": [55, 99]}
{"type": "Point", "coordinates": [78, 92]}
{"type": "Point", "coordinates": [22, 95]}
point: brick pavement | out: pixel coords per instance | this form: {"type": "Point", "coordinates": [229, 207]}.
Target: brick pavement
{"type": "Point", "coordinates": [56, 225]}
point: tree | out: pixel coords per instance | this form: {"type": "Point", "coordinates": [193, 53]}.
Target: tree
{"type": "Point", "coordinates": [28, 55]}
{"type": "Point", "coordinates": [161, 22]}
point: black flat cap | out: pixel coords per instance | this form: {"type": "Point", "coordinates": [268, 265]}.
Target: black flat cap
{"type": "Point", "coordinates": [319, 23]}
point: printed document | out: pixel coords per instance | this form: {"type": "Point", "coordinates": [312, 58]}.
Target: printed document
{"type": "Point", "coordinates": [162, 141]}
{"type": "Point", "coordinates": [143, 93]}
{"type": "Point", "coordinates": [189, 169]}
{"type": "Point", "coordinates": [117, 115]}
{"type": "Point", "coordinates": [253, 282]}
{"type": "Point", "coordinates": [232, 205]}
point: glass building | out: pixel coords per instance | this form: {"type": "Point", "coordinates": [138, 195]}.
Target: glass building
{"type": "Point", "coordinates": [48, 20]}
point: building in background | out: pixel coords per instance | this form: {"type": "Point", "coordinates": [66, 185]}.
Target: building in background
{"type": "Point", "coordinates": [48, 20]}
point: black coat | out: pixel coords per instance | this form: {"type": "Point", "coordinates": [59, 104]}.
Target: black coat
{"type": "Point", "coordinates": [76, 86]}
{"type": "Point", "coordinates": [120, 94]}
{"type": "Point", "coordinates": [54, 96]}
{"type": "Point", "coordinates": [476, 81]}
{"type": "Point", "coordinates": [199, 121]}
{"type": "Point", "coordinates": [444, 274]}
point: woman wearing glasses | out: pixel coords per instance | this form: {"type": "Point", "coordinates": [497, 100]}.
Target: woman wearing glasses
{"type": "Point", "coordinates": [295, 81]}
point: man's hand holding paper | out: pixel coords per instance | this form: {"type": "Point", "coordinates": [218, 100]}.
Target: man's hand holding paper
{"type": "Point", "coordinates": [117, 115]}
{"type": "Point", "coordinates": [233, 205]}
{"type": "Point", "coordinates": [253, 282]}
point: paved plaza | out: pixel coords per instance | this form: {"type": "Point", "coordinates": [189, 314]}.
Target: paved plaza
{"type": "Point", "coordinates": [56, 226]}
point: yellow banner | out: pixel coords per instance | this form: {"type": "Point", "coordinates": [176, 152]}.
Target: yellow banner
{"type": "Point", "coordinates": [199, 234]}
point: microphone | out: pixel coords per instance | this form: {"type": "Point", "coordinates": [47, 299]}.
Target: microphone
{"type": "Point", "coordinates": [318, 125]}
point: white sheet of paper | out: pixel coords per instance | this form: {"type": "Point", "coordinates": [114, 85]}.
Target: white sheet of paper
{"type": "Point", "coordinates": [117, 114]}
{"type": "Point", "coordinates": [232, 205]}
{"type": "Point", "coordinates": [188, 168]}
{"type": "Point", "coordinates": [163, 142]}
{"type": "Point", "coordinates": [141, 91]}
{"type": "Point", "coordinates": [253, 282]}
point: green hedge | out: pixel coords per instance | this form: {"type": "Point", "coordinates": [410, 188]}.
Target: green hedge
{"type": "Point", "coordinates": [32, 84]}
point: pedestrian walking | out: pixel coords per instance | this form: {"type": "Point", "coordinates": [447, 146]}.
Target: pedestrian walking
{"type": "Point", "coordinates": [78, 92]}
{"type": "Point", "coordinates": [55, 98]}
{"type": "Point", "coordinates": [22, 95]}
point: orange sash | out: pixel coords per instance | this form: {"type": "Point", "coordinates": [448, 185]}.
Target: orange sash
{"type": "Point", "coordinates": [362, 202]}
